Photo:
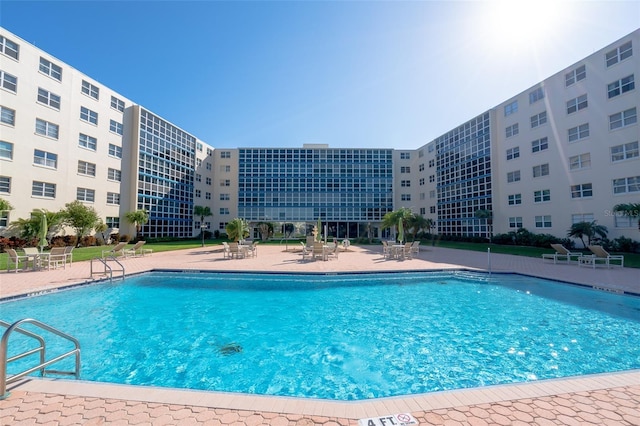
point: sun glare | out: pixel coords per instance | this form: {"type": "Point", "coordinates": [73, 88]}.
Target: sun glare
{"type": "Point", "coordinates": [517, 22]}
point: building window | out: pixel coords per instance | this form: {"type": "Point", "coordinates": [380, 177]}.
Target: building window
{"type": "Point", "coordinates": [432, 163]}
{"type": "Point", "coordinates": [536, 95]}
{"type": "Point", "coordinates": [207, 195]}
{"type": "Point", "coordinates": [115, 151]}
{"type": "Point", "coordinates": [47, 98]}
{"type": "Point", "coordinates": [624, 185]}
{"type": "Point", "coordinates": [115, 127]}
{"type": "Point", "coordinates": [5, 185]}
{"type": "Point", "coordinates": [198, 162]}
{"type": "Point", "coordinates": [207, 181]}
{"type": "Point", "coordinates": [513, 176]}
{"type": "Point", "coordinates": [623, 119]}
{"type": "Point", "coordinates": [198, 177]}
{"type": "Point", "coordinates": [624, 152]}
{"type": "Point", "coordinates": [575, 75]}
{"type": "Point", "coordinates": [198, 193]}
{"type": "Point", "coordinates": [619, 54]}
{"type": "Point", "coordinates": [423, 211]}
{"type": "Point", "coordinates": [543, 221]}
{"type": "Point", "coordinates": [225, 182]}
{"type": "Point", "coordinates": [46, 128]}
{"type": "Point", "coordinates": [114, 174]}
{"type": "Point", "coordinates": [421, 181]}
{"type": "Point", "coordinates": [8, 116]}
{"type": "Point", "coordinates": [90, 90]}
{"type": "Point", "coordinates": [405, 183]}
{"type": "Point", "coordinates": [225, 169]}
{"type": "Point", "coordinates": [515, 199]}
{"type": "Point", "coordinates": [86, 195]}
{"type": "Point", "coordinates": [582, 217]}
{"type": "Point", "coordinates": [44, 158]}
{"type": "Point", "coordinates": [405, 156]}
{"type": "Point", "coordinates": [538, 119]}
{"type": "Point", "coordinates": [540, 144]}
{"type": "Point", "coordinates": [225, 154]}
{"type": "Point", "coordinates": [578, 132]}
{"type": "Point", "coordinates": [624, 221]}
{"type": "Point", "coordinates": [421, 167]}
{"type": "Point", "coordinates": [117, 104]}
{"type": "Point", "coordinates": [423, 196]}
{"type": "Point", "coordinates": [222, 225]}
{"type": "Point", "coordinates": [581, 190]}
{"type": "Point", "coordinates": [515, 222]}
{"type": "Point", "coordinates": [432, 209]}
{"type": "Point", "coordinates": [511, 130]}
{"type": "Point", "coordinates": [199, 147]}
{"type": "Point", "coordinates": [405, 169]}
{"type": "Point", "coordinates": [50, 69]}
{"type": "Point", "coordinates": [541, 170]}
{"type": "Point", "coordinates": [581, 161]}
{"type": "Point", "coordinates": [43, 189]}
{"type": "Point", "coordinates": [513, 153]}
{"type": "Point", "coordinates": [113, 198]}
{"type": "Point", "coordinates": [576, 104]}
{"type": "Point", "coordinates": [511, 108]}
{"type": "Point", "coordinates": [9, 82]}
{"type": "Point", "coordinates": [224, 210]}
{"type": "Point", "coordinates": [88, 142]}
{"type": "Point", "coordinates": [208, 165]}
{"type": "Point", "coordinates": [209, 151]}
{"type": "Point", "coordinates": [9, 48]}
{"type": "Point", "coordinates": [196, 224]}
{"type": "Point", "coordinates": [89, 116]}
{"type": "Point", "coordinates": [112, 222]}
{"type": "Point", "coordinates": [432, 178]}
{"type": "Point", "coordinates": [432, 194]}
{"type": "Point", "coordinates": [621, 86]}
{"type": "Point", "coordinates": [225, 197]}
{"type": "Point", "coordinates": [86, 168]}
{"type": "Point", "coordinates": [6, 150]}
{"type": "Point", "coordinates": [405, 197]}
{"type": "Point", "coordinates": [542, 196]}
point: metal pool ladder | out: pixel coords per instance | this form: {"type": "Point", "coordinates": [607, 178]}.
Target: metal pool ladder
{"type": "Point", "coordinates": [107, 270]}
{"type": "Point", "coordinates": [41, 348]}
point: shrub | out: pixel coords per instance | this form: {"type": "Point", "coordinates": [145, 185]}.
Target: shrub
{"type": "Point", "coordinates": [63, 241]}
{"type": "Point", "coordinates": [88, 241]}
{"type": "Point", "coordinates": [625, 244]}
{"type": "Point", "coordinates": [124, 238]}
{"type": "Point", "coordinates": [11, 243]}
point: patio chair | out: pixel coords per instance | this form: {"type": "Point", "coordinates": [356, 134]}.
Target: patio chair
{"type": "Point", "coordinates": [137, 249]}
{"type": "Point", "coordinates": [226, 250]}
{"type": "Point", "coordinates": [415, 247]}
{"type": "Point", "coordinates": [407, 253]}
{"type": "Point", "coordinates": [602, 256]}
{"type": "Point", "coordinates": [305, 251]}
{"type": "Point", "coordinates": [333, 254]}
{"type": "Point", "coordinates": [386, 251]}
{"type": "Point", "coordinates": [236, 251]}
{"type": "Point", "coordinates": [117, 249]}
{"type": "Point", "coordinates": [318, 251]}
{"type": "Point", "coordinates": [562, 254]}
{"type": "Point", "coordinates": [14, 260]}
{"type": "Point", "coordinates": [68, 251]}
{"type": "Point", "coordinates": [253, 249]}
{"type": "Point", "coordinates": [55, 257]}
{"type": "Point", "coordinates": [34, 255]}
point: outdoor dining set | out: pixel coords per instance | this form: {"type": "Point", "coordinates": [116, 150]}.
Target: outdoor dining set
{"type": "Point", "coordinates": [39, 260]}
{"type": "Point", "coordinates": [239, 249]}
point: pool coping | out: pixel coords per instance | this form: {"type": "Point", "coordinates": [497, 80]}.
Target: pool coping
{"type": "Point", "coordinates": [342, 409]}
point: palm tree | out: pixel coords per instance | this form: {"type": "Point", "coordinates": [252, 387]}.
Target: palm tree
{"type": "Point", "coordinates": [265, 229]}
{"type": "Point", "coordinates": [630, 209]}
{"type": "Point", "coordinates": [487, 215]}
{"type": "Point", "coordinates": [137, 218]}
{"type": "Point", "coordinates": [391, 219]}
{"type": "Point", "coordinates": [589, 230]}
{"type": "Point", "coordinates": [416, 224]}
{"type": "Point", "coordinates": [202, 211]}
{"type": "Point", "coordinates": [237, 229]}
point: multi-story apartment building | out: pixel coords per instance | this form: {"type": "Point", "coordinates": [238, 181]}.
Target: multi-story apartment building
{"type": "Point", "coordinates": [562, 151]}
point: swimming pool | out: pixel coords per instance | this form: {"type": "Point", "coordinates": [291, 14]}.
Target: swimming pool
{"type": "Point", "coordinates": [344, 337]}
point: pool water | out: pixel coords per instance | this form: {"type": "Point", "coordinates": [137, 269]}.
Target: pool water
{"type": "Point", "coordinates": [343, 337]}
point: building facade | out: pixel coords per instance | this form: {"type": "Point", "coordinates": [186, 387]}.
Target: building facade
{"type": "Point", "coordinates": [561, 152]}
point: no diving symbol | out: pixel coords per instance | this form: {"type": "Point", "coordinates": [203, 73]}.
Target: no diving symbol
{"type": "Point", "coordinates": [403, 417]}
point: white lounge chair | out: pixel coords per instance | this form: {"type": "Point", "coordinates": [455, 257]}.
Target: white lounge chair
{"type": "Point", "coordinates": [561, 254]}
{"type": "Point", "coordinates": [14, 260]}
{"type": "Point", "coordinates": [600, 255]}
{"type": "Point", "coordinates": [118, 249]}
{"type": "Point", "coordinates": [137, 249]}
{"type": "Point", "coordinates": [55, 258]}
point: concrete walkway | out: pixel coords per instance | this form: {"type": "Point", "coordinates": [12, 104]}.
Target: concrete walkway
{"type": "Point", "coordinates": [598, 399]}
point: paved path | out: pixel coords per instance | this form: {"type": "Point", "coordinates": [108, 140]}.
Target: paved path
{"type": "Point", "coordinates": [600, 399]}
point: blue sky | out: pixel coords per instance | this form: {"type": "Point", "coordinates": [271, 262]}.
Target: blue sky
{"type": "Point", "coordinates": [389, 74]}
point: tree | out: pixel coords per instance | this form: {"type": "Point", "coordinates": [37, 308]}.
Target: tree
{"type": "Point", "coordinates": [100, 228]}
{"type": "Point", "coordinates": [80, 217]}
{"type": "Point", "coordinates": [202, 211]}
{"type": "Point", "coordinates": [630, 209]}
{"type": "Point", "coordinates": [416, 224]}
{"type": "Point", "coordinates": [487, 215]}
{"type": "Point", "coordinates": [391, 219]}
{"type": "Point", "coordinates": [30, 228]}
{"type": "Point", "coordinates": [237, 229]}
{"type": "Point", "coordinates": [137, 218]}
{"type": "Point", "coordinates": [288, 229]}
{"type": "Point", "coordinates": [265, 229]}
{"type": "Point", "coordinates": [589, 230]}
{"type": "Point", "coordinates": [5, 206]}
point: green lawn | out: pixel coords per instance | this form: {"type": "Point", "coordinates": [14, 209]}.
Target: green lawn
{"type": "Point", "coordinates": [631, 260]}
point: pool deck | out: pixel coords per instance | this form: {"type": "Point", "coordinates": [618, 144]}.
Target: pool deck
{"type": "Point", "coordinates": [612, 399]}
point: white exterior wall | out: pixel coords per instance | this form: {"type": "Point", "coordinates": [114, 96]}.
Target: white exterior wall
{"type": "Point", "coordinates": [65, 176]}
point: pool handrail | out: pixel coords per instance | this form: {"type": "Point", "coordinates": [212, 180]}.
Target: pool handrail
{"type": "Point", "coordinates": [4, 380]}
